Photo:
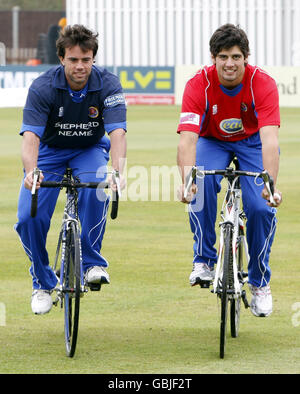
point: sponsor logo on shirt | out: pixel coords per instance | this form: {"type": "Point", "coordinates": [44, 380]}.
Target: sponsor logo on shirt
{"type": "Point", "coordinates": [76, 130]}
{"type": "Point", "coordinates": [231, 126]}
{"type": "Point", "coordinates": [115, 99]}
{"type": "Point", "coordinates": [189, 118]}
{"type": "Point", "coordinates": [93, 112]}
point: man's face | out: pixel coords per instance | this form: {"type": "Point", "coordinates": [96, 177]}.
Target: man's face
{"type": "Point", "coordinates": [230, 65]}
{"type": "Point", "coordinates": [78, 66]}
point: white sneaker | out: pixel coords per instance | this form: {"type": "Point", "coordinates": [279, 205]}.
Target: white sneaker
{"type": "Point", "coordinates": [41, 302]}
{"type": "Point", "coordinates": [201, 272]}
{"type": "Point", "coordinates": [261, 303]}
{"type": "Point", "coordinates": [97, 274]}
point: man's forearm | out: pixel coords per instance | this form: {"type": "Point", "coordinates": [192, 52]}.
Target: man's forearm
{"type": "Point", "coordinates": [186, 158]}
{"type": "Point", "coordinates": [30, 150]}
{"type": "Point", "coordinates": [270, 150]}
{"type": "Point", "coordinates": [186, 153]}
{"type": "Point", "coordinates": [271, 161]}
{"type": "Point", "coordinates": [118, 149]}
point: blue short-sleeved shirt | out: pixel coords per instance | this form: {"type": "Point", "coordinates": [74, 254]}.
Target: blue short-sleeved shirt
{"type": "Point", "coordinates": [59, 121]}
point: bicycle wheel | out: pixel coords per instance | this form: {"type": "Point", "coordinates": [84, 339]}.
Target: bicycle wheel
{"type": "Point", "coordinates": [71, 289]}
{"type": "Point", "coordinates": [235, 303]}
{"type": "Point", "coordinates": [226, 285]}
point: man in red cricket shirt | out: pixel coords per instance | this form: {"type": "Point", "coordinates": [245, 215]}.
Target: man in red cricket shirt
{"type": "Point", "coordinates": [231, 108]}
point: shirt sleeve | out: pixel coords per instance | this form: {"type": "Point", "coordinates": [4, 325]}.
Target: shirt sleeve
{"type": "Point", "coordinates": [193, 107]}
{"type": "Point", "coordinates": [114, 108]}
{"type": "Point", "coordinates": [35, 113]}
{"type": "Point", "coordinates": [266, 100]}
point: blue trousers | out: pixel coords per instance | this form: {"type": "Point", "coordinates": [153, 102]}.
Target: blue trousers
{"type": "Point", "coordinates": [90, 165]}
{"type": "Point", "coordinates": [261, 219]}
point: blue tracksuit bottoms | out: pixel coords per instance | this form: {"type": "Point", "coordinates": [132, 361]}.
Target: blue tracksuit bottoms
{"type": "Point", "coordinates": [90, 165]}
{"type": "Point", "coordinates": [261, 219]}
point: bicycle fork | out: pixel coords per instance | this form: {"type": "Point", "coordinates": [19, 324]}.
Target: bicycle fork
{"type": "Point", "coordinates": [232, 219]}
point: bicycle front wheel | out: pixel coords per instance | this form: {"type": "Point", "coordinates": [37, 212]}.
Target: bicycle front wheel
{"type": "Point", "coordinates": [235, 305]}
{"type": "Point", "coordinates": [71, 288]}
{"type": "Point", "coordinates": [226, 285]}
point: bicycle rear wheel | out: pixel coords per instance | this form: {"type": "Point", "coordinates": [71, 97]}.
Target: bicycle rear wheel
{"type": "Point", "coordinates": [71, 289]}
{"type": "Point", "coordinates": [226, 285]}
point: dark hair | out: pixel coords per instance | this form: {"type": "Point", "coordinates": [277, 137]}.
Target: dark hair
{"type": "Point", "coordinates": [226, 37]}
{"type": "Point", "coordinates": [74, 35]}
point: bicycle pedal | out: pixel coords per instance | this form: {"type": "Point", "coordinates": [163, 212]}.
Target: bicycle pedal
{"type": "Point", "coordinates": [204, 284]}
{"type": "Point", "coordinates": [94, 286]}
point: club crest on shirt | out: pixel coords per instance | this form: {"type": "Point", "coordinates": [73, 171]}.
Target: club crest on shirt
{"type": "Point", "coordinates": [231, 126]}
{"type": "Point", "coordinates": [93, 112]}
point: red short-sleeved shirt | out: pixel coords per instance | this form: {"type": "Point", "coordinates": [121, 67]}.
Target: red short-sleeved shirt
{"type": "Point", "coordinates": [211, 110]}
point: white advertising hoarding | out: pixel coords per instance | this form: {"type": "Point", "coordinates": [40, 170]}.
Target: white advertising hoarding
{"type": "Point", "coordinates": [15, 81]}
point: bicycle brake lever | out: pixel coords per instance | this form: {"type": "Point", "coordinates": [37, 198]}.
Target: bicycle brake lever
{"type": "Point", "coordinates": [269, 183]}
{"type": "Point", "coordinates": [34, 192]}
{"type": "Point", "coordinates": [189, 181]}
{"type": "Point", "coordinates": [116, 180]}
{"type": "Point", "coordinates": [35, 175]}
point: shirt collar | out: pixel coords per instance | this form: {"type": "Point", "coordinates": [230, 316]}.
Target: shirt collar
{"type": "Point", "coordinates": [95, 82]}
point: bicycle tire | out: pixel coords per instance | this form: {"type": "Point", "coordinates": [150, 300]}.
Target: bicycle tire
{"type": "Point", "coordinates": [235, 305]}
{"type": "Point", "coordinates": [226, 284]}
{"type": "Point", "coordinates": [71, 289]}
{"type": "Point", "coordinates": [34, 202]}
{"type": "Point", "coordinates": [115, 205]}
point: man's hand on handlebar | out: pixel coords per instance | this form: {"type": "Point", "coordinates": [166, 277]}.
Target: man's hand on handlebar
{"type": "Point", "coordinates": [30, 179]}
{"type": "Point", "coordinates": [277, 197]}
{"type": "Point", "coordinates": [186, 199]}
{"type": "Point", "coordinates": [116, 181]}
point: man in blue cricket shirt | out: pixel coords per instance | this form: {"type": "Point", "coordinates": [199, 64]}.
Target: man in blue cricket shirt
{"type": "Point", "coordinates": [68, 110]}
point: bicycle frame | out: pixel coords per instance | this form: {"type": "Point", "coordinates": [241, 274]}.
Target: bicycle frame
{"type": "Point", "coordinates": [72, 283]}
{"type": "Point", "coordinates": [229, 275]}
{"type": "Point", "coordinates": [69, 216]}
{"type": "Point", "coordinates": [231, 214]}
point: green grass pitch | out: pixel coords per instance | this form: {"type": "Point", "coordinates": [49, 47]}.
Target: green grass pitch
{"type": "Point", "coordinates": [148, 320]}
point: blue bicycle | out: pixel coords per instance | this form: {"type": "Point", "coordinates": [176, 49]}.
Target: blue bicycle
{"type": "Point", "coordinates": [68, 259]}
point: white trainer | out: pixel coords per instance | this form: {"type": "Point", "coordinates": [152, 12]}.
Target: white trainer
{"type": "Point", "coordinates": [97, 274]}
{"type": "Point", "coordinates": [41, 302]}
{"type": "Point", "coordinates": [261, 303]}
{"type": "Point", "coordinates": [201, 272]}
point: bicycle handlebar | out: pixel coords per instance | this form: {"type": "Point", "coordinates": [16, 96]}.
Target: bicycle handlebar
{"type": "Point", "coordinates": [69, 183]}
{"type": "Point", "coordinates": [230, 172]}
